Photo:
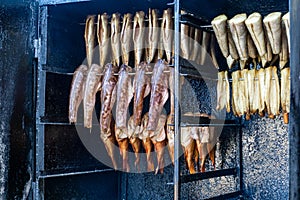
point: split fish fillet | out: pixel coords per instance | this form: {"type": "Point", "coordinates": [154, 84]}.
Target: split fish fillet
{"type": "Point", "coordinates": [195, 47]}
{"type": "Point", "coordinates": [138, 36]}
{"type": "Point", "coordinates": [115, 39]}
{"type": "Point", "coordinates": [204, 47]}
{"type": "Point", "coordinates": [142, 87]}
{"type": "Point", "coordinates": [92, 86]}
{"type": "Point", "coordinates": [239, 35]}
{"type": "Point", "coordinates": [285, 93]}
{"type": "Point", "coordinates": [124, 96]}
{"type": "Point", "coordinates": [167, 33]}
{"type": "Point", "coordinates": [159, 94]}
{"type": "Point", "coordinates": [286, 20]}
{"type": "Point", "coordinates": [153, 35]}
{"type": "Point", "coordinates": [255, 28]}
{"type": "Point", "coordinates": [103, 38]}
{"type": "Point", "coordinates": [223, 91]}
{"type": "Point", "coordinates": [274, 93]}
{"type": "Point", "coordinates": [77, 91]}
{"type": "Point", "coordinates": [89, 36]}
{"type": "Point", "coordinates": [126, 38]}
{"type": "Point", "coordinates": [272, 24]}
{"type": "Point", "coordinates": [284, 53]}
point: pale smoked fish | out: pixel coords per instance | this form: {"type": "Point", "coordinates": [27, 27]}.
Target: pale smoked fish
{"type": "Point", "coordinates": [232, 48]}
{"type": "Point", "coordinates": [262, 89]}
{"type": "Point", "coordinates": [213, 51]}
{"type": "Point", "coordinates": [268, 76]}
{"type": "Point", "coordinates": [252, 52]}
{"type": "Point", "coordinates": [274, 93]}
{"type": "Point", "coordinates": [77, 91]}
{"type": "Point", "coordinates": [236, 102]}
{"type": "Point", "coordinates": [167, 33]}
{"type": "Point", "coordinates": [153, 34]}
{"type": "Point", "coordinates": [223, 95]}
{"type": "Point", "coordinates": [255, 27]}
{"type": "Point", "coordinates": [142, 87]}
{"type": "Point", "coordinates": [244, 93]}
{"type": "Point", "coordinates": [233, 55]}
{"type": "Point", "coordinates": [124, 96]}
{"type": "Point", "coordinates": [204, 47]}
{"type": "Point", "coordinates": [253, 94]}
{"type": "Point", "coordinates": [147, 143]}
{"type": "Point", "coordinates": [126, 38]}
{"type": "Point", "coordinates": [257, 103]}
{"type": "Point", "coordinates": [239, 35]}
{"type": "Point", "coordinates": [138, 36]}
{"type": "Point", "coordinates": [188, 144]}
{"type": "Point", "coordinates": [286, 20]}
{"type": "Point", "coordinates": [219, 24]}
{"type": "Point", "coordinates": [103, 38]}
{"type": "Point", "coordinates": [108, 97]}
{"type": "Point", "coordinates": [159, 141]}
{"type": "Point", "coordinates": [115, 39]}
{"type": "Point", "coordinates": [159, 94]}
{"type": "Point", "coordinates": [89, 36]}
{"type": "Point", "coordinates": [272, 24]}
{"type": "Point", "coordinates": [191, 41]}
{"type": "Point", "coordinates": [195, 46]}
{"type": "Point", "coordinates": [184, 40]}
{"type": "Point", "coordinates": [171, 119]}
{"type": "Point", "coordinates": [92, 86]}
{"type": "Point", "coordinates": [285, 93]}
{"type": "Point", "coordinates": [133, 134]}
{"type": "Point", "coordinates": [284, 53]}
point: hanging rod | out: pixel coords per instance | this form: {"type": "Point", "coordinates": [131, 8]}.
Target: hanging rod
{"type": "Point", "coordinates": [75, 173]}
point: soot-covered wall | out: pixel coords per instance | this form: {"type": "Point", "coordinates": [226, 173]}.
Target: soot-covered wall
{"type": "Point", "coordinates": [17, 30]}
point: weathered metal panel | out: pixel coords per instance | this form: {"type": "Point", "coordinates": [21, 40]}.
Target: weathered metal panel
{"type": "Point", "coordinates": [17, 31]}
{"type": "Point", "coordinates": [294, 128]}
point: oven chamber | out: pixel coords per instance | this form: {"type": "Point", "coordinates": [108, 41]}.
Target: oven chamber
{"type": "Point", "coordinates": [64, 169]}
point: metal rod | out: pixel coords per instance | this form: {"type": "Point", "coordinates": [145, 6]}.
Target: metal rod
{"type": "Point", "coordinates": [206, 175]}
{"type": "Point", "coordinates": [177, 101]}
{"type": "Point", "coordinates": [75, 173]}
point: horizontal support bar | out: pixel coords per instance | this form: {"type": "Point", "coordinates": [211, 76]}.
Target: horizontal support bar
{"type": "Point", "coordinates": [226, 196]}
{"type": "Point", "coordinates": [208, 175]}
{"type": "Point", "coordinates": [75, 173]}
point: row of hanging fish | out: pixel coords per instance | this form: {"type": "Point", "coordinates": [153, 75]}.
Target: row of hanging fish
{"type": "Point", "coordinates": [118, 88]}
{"type": "Point", "coordinates": [150, 37]}
{"type": "Point", "coordinates": [255, 44]}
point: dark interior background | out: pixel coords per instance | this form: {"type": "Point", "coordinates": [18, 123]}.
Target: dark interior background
{"type": "Point", "coordinates": [265, 141]}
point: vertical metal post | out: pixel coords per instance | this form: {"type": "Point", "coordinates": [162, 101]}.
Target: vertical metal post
{"type": "Point", "coordinates": [294, 124]}
{"type": "Point", "coordinates": [40, 100]}
{"type": "Point", "coordinates": [177, 101]}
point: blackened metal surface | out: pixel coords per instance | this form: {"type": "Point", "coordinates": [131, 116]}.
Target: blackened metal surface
{"type": "Point", "coordinates": [17, 30]}
{"type": "Point", "coordinates": [57, 97]}
{"type": "Point", "coordinates": [266, 159]}
{"type": "Point", "coordinates": [294, 126]}
{"type": "Point", "coordinates": [64, 150]}
{"type": "Point", "coordinates": [91, 186]}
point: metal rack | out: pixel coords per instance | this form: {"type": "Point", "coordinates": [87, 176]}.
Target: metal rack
{"type": "Point", "coordinates": [181, 179]}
